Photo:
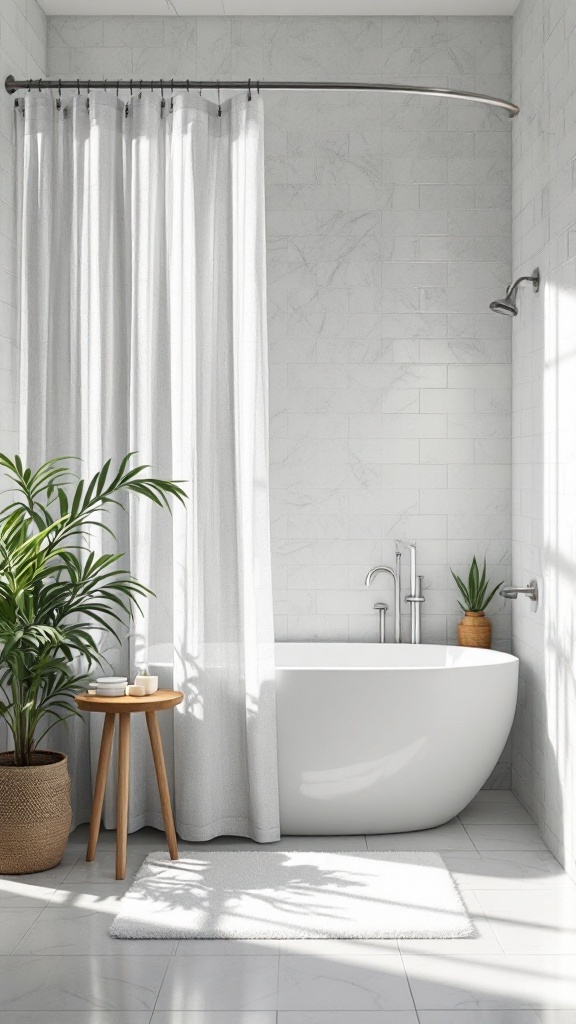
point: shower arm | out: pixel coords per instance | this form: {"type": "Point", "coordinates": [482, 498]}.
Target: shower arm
{"type": "Point", "coordinates": [515, 284]}
{"type": "Point", "coordinates": [13, 85]}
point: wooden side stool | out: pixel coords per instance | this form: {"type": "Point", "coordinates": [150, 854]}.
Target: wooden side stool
{"type": "Point", "coordinates": [124, 707]}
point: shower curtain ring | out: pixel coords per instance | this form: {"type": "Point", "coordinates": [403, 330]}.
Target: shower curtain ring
{"type": "Point", "coordinates": [59, 100]}
{"type": "Point", "coordinates": [88, 95]}
{"type": "Point", "coordinates": [258, 87]}
{"type": "Point", "coordinates": [105, 85]}
{"type": "Point", "coordinates": [249, 90]}
{"type": "Point", "coordinates": [78, 85]}
{"type": "Point", "coordinates": [172, 96]}
{"type": "Point", "coordinates": [219, 105]}
{"type": "Point", "coordinates": [200, 88]}
{"type": "Point", "coordinates": [29, 84]}
{"type": "Point", "coordinates": [162, 102]}
{"type": "Point", "coordinates": [130, 88]}
{"type": "Point", "coordinates": [117, 88]}
{"type": "Point", "coordinates": [140, 96]}
{"type": "Point", "coordinates": [187, 85]}
{"type": "Point", "coordinates": [39, 85]}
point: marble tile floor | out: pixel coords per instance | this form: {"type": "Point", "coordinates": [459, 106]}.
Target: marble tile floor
{"type": "Point", "coordinates": [59, 966]}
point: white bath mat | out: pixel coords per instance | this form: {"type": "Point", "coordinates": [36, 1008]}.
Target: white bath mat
{"type": "Point", "coordinates": [292, 895]}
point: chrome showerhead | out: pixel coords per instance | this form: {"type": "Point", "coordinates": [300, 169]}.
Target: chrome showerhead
{"type": "Point", "coordinates": [507, 306]}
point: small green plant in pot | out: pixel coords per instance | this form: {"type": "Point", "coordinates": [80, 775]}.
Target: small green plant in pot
{"type": "Point", "coordinates": [475, 629]}
{"type": "Point", "coordinates": [56, 597]}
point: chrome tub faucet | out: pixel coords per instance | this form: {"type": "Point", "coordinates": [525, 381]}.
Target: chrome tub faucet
{"type": "Point", "coordinates": [395, 574]}
{"type": "Point", "coordinates": [414, 598]}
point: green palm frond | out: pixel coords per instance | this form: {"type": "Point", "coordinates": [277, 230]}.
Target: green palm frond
{"type": "Point", "coordinates": [56, 595]}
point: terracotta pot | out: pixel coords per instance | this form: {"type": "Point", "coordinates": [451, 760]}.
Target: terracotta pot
{"type": "Point", "coordinates": [35, 812]}
{"type": "Point", "coordinates": [474, 630]}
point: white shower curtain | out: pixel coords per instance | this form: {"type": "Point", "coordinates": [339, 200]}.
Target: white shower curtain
{"type": "Point", "coordinates": [144, 328]}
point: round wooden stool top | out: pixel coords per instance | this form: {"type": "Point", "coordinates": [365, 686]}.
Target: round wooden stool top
{"type": "Point", "coordinates": [158, 701]}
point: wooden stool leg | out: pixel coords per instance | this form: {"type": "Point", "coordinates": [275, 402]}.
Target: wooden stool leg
{"type": "Point", "coordinates": [100, 787]}
{"type": "Point", "coordinates": [163, 788]}
{"type": "Point", "coordinates": [122, 798]}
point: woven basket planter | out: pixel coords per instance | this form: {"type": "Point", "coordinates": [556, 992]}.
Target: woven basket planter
{"type": "Point", "coordinates": [475, 630]}
{"type": "Point", "coordinates": [35, 812]}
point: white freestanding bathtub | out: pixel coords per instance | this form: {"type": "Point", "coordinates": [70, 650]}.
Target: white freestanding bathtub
{"type": "Point", "coordinates": [386, 737]}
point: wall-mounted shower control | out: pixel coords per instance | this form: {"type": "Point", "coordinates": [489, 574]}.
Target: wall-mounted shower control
{"type": "Point", "coordinates": [531, 592]}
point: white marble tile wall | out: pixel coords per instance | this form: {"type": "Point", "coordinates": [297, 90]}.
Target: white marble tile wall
{"type": "Point", "coordinates": [389, 232]}
{"type": "Point", "coordinates": [544, 426]}
{"type": "Point", "coordinates": [22, 53]}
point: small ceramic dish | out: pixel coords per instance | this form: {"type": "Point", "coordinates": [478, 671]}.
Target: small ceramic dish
{"type": "Point", "coordinates": [111, 686]}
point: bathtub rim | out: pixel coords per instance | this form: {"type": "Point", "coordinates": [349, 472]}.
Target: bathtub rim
{"type": "Point", "coordinates": [481, 658]}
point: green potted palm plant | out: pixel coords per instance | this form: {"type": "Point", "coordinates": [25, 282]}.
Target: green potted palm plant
{"type": "Point", "coordinates": [56, 597]}
{"type": "Point", "coordinates": [475, 629]}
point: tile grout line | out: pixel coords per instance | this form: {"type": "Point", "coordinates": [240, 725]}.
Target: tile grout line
{"type": "Point", "coordinates": [72, 866]}
{"type": "Point", "coordinates": [487, 919]}
{"type": "Point", "coordinates": [408, 980]}
{"type": "Point", "coordinates": [14, 952]}
{"type": "Point", "coordinates": [514, 849]}
{"type": "Point", "coordinates": [160, 985]}
{"type": "Point", "coordinates": [470, 837]}
{"type": "Point", "coordinates": [278, 954]}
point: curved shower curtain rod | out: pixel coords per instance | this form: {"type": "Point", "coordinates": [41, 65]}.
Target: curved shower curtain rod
{"type": "Point", "coordinates": [12, 85]}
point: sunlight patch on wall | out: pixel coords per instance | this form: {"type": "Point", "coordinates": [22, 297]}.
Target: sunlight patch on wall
{"type": "Point", "coordinates": [559, 548]}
